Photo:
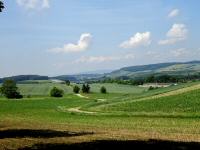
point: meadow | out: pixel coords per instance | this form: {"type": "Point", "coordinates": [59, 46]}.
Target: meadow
{"type": "Point", "coordinates": [133, 113]}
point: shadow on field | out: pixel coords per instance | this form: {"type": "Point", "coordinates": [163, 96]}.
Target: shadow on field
{"type": "Point", "coordinates": [22, 133]}
{"type": "Point", "coordinates": [130, 145]}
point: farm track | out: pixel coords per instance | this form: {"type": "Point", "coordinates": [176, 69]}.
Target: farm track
{"type": "Point", "coordinates": [81, 96]}
{"type": "Point", "coordinates": [171, 93]}
{"type": "Point", "coordinates": [77, 110]}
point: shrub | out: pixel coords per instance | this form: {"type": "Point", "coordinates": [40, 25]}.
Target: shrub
{"type": "Point", "coordinates": [103, 90]}
{"type": "Point", "coordinates": [86, 88]}
{"type": "Point", "coordinates": [151, 88]}
{"type": "Point", "coordinates": [55, 92]}
{"type": "Point", "coordinates": [9, 89]}
{"type": "Point", "coordinates": [76, 89]}
{"type": "Point", "coordinates": [67, 82]}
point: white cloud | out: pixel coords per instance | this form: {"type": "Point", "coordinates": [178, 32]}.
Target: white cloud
{"type": "Point", "coordinates": [82, 45]}
{"type": "Point", "coordinates": [139, 39]}
{"type": "Point", "coordinates": [179, 52]}
{"type": "Point", "coordinates": [177, 33]}
{"type": "Point", "coordinates": [33, 4]}
{"type": "Point", "coordinates": [101, 59]}
{"type": "Point", "coordinates": [92, 59]}
{"type": "Point", "coordinates": [174, 13]}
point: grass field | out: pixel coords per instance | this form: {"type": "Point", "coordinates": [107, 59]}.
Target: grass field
{"type": "Point", "coordinates": [171, 113]}
{"type": "Point", "coordinates": [42, 89]}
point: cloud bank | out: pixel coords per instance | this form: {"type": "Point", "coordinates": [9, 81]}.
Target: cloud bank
{"type": "Point", "coordinates": [82, 45]}
{"type": "Point", "coordinates": [101, 59]}
{"type": "Point", "coordinates": [179, 52]}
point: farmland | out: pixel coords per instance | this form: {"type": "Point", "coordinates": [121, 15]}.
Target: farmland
{"type": "Point", "coordinates": [125, 113]}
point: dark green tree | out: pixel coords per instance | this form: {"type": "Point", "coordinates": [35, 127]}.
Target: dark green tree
{"type": "Point", "coordinates": [67, 82]}
{"type": "Point", "coordinates": [9, 89]}
{"type": "Point", "coordinates": [55, 92]}
{"type": "Point", "coordinates": [1, 6]}
{"type": "Point", "coordinates": [151, 88]}
{"type": "Point", "coordinates": [86, 88]}
{"type": "Point", "coordinates": [83, 88]}
{"type": "Point", "coordinates": [76, 89]}
{"type": "Point", "coordinates": [103, 90]}
{"type": "Point", "coordinates": [150, 79]}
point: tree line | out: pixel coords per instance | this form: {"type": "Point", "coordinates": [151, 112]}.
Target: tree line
{"type": "Point", "coordinates": [24, 78]}
{"type": "Point", "coordinates": [1, 6]}
{"type": "Point", "coordinates": [151, 79]}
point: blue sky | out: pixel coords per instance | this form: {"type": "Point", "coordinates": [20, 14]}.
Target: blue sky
{"type": "Point", "coordinates": [50, 37]}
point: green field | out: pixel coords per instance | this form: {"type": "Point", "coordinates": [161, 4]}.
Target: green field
{"type": "Point", "coordinates": [42, 89]}
{"type": "Point", "coordinates": [125, 113]}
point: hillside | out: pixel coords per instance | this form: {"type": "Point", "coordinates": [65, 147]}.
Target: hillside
{"type": "Point", "coordinates": [25, 77]}
{"type": "Point", "coordinates": [173, 68]}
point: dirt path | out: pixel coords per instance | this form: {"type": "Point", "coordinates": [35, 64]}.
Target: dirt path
{"type": "Point", "coordinates": [77, 110]}
{"type": "Point", "coordinates": [81, 96]}
{"type": "Point", "coordinates": [102, 100]}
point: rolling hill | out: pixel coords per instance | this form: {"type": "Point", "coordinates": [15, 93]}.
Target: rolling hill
{"type": "Point", "coordinates": [172, 68]}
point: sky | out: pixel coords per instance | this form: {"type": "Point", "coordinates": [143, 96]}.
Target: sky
{"type": "Point", "coordinates": [59, 37]}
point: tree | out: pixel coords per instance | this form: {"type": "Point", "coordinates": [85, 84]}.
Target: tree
{"type": "Point", "coordinates": [10, 90]}
{"type": "Point", "coordinates": [1, 6]}
{"type": "Point", "coordinates": [150, 79]}
{"type": "Point", "coordinates": [86, 88]}
{"type": "Point", "coordinates": [103, 90]}
{"type": "Point", "coordinates": [67, 82]}
{"type": "Point", "coordinates": [151, 88]}
{"type": "Point", "coordinates": [76, 89]}
{"type": "Point", "coordinates": [55, 92]}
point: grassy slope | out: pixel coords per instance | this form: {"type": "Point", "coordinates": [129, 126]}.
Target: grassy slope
{"type": "Point", "coordinates": [113, 99]}
{"type": "Point", "coordinates": [185, 104]}
{"type": "Point", "coordinates": [50, 113]}
{"type": "Point", "coordinates": [42, 89]}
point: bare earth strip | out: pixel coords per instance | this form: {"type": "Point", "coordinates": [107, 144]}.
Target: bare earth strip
{"type": "Point", "coordinates": [79, 95]}
{"type": "Point", "coordinates": [77, 110]}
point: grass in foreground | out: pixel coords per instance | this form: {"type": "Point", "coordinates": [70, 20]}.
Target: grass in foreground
{"type": "Point", "coordinates": [44, 113]}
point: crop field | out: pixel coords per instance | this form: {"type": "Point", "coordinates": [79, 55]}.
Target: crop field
{"type": "Point", "coordinates": [125, 113]}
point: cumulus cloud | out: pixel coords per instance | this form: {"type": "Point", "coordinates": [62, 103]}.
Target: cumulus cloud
{"type": "Point", "coordinates": [33, 4]}
{"type": "Point", "coordinates": [101, 59]}
{"type": "Point", "coordinates": [177, 33]}
{"type": "Point", "coordinates": [179, 52]}
{"type": "Point", "coordinates": [139, 39]}
{"type": "Point", "coordinates": [174, 13]}
{"type": "Point", "coordinates": [82, 45]}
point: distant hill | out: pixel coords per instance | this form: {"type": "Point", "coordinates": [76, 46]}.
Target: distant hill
{"type": "Point", "coordinates": [25, 77]}
{"type": "Point", "coordinates": [97, 72]}
{"type": "Point", "coordinates": [172, 68]}
{"type": "Point", "coordinates": [78, 77]}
